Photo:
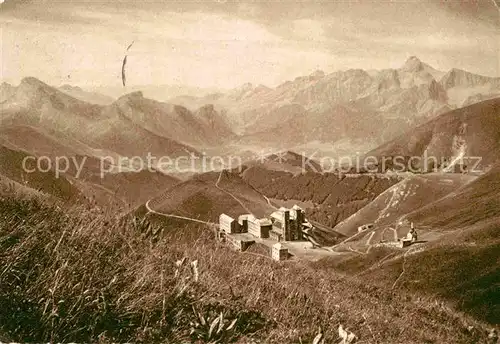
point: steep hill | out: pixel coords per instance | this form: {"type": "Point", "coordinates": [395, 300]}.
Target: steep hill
{"type": "Point", "coordinates": [391, 206]}
{"type": "Point", "coordinates": [121, 191]}
{"type": "Point", "coordinates": [11, 167]}
{"type": "Point", "coordinates": [470, 134]}
{"type": "Point", "coordinates": [286, 161]}
{"type": "Point", "coordinates": [204, 127]}
{"type": "Point", "coordinates": [473, 203]}
{"type": "Point", "coordinates": [80, 166]}
{"type": "Point", "coordinates": [39, 105]}
{"type": "Point", "coordinates": [42, 143]}
{"type": "Point", "coordinates": [6, 91]}
{"type": "Point", "coordinates": [330, 198]}
{"type": "Point", "coordinates": [139, 280]}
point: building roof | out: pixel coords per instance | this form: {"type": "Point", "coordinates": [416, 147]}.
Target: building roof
{"type": "Point", "coordinates": [265, 222]}
{"type": "Point", "coordinates": [249, 217]}
{"type": "Point", "coordinates": [277, 214]}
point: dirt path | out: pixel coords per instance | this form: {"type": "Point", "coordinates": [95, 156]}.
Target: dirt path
{"type": "Point", "coordinates": [152, 211]}
{"type": "Point", "coordinates": [230, 194]}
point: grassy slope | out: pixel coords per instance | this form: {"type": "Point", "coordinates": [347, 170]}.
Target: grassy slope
{"type": "Point", "coordinates": [11, 166]}
{"type": "Point", "coordinates": [78, 277]}
{"type": "Point", "coordinates": [200, 198]}
{"type": "Point", "coordinates": [463, 269]}
{"type": "Point", "coordinates": [473, 203]}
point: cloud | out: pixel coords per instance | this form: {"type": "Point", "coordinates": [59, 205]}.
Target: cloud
{"type": "Point", "coordinates": [308, 29]}
{"type": "Point", "coordinates": [227, 44]}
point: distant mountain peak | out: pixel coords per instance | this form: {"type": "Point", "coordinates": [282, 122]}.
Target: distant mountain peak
{"type": "Point", "coordinates": [459, 77]}
{"type": "Point", "coordinates": [32, 81]}
{"type": "Point", "coordinates": [207, 108]}
{"type": "Point", "coordinates": [67, 87]}
{"type": "Point", "coordinates": [246, 86]}
{"type": "Point", "coordinates": [262, 87]}
{"type": "Point", "coordinates": [413, 64]}
{"type": "Point", "coordinates": [132, 96]}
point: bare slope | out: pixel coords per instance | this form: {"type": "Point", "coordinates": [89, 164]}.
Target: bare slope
{"type": "Point", "coordinates": [473, 131]}
{"type": "Point", "coordinates": [475, 202]}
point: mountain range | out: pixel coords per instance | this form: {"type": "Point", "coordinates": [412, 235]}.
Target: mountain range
{"type": "Point", "coordinates": [366, 108]}
{"type": "Point", "coordinates": [408, 111]}
{"type": "Point", "coordinates": [414, 111]}
{"type": "Point", "coordinates": [130, 125]}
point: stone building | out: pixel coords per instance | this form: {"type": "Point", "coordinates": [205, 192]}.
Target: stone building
{"type": "Point", "coordinates": [287, 224]}
{"type": "Point", "coordinates": [278, 252]}
{"type": "Point", "coordinates": [259, 228]}
{"type": "Point", "coordinates": [228, 225]}
{"type": "Point", "coordinates": [282, 225]}
{"type": "Point", "coordinates": [240, 241]}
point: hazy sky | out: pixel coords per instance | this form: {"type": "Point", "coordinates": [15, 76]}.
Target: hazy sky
{"type": "Point", "coordinates": [227, 43]}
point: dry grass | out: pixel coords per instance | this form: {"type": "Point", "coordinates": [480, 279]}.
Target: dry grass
{"type": "Point", "coordinates": [79, 276]}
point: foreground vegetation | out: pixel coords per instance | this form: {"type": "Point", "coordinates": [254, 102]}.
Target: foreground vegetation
{"type": "Point", "coordinates": [85, 277]}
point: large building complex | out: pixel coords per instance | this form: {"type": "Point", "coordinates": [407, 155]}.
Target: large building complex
{"type": "Point", "coordinates": [281, 226]}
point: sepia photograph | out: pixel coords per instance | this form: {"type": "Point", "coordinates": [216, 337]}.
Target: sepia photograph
{"type": "Point", "coordinates": [250, 171]}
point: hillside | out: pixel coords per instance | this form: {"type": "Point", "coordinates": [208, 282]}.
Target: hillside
{"type": "Point", "coordinates": [79, 166]}
{"type": "Point", "coordinates": [203, 197]}
{"type": "Point", "coordinates": [134, 292]}
{"type": "Point", "coordinates": [390, 208]}
{"type": "Point", "coordinates": [475, 202]}
{"type": "Point", "coordinates": [286, 161]}
{"type": "Point", "coordinates": [459, 271]}
{"type": "Point", "coordinates": [457, 219]}
{"type": "Point", "coordinates": [42, 143]}
{"type": "Point", "coordinates": [137, 187]}
{"type": "Point", "coordinates": [11, 167]}
{"type": "Point", "coordinates": [36, 104]}
{"type": "Point", "coordinates": [204, 127]}
{"type": "Point", "coordinates": [471, 133]}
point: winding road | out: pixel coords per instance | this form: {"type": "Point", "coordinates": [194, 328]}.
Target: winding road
{"type": "Point", "coordinates": [230, 194]}
{"type": "Point", "coordinates": [152, 211]}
